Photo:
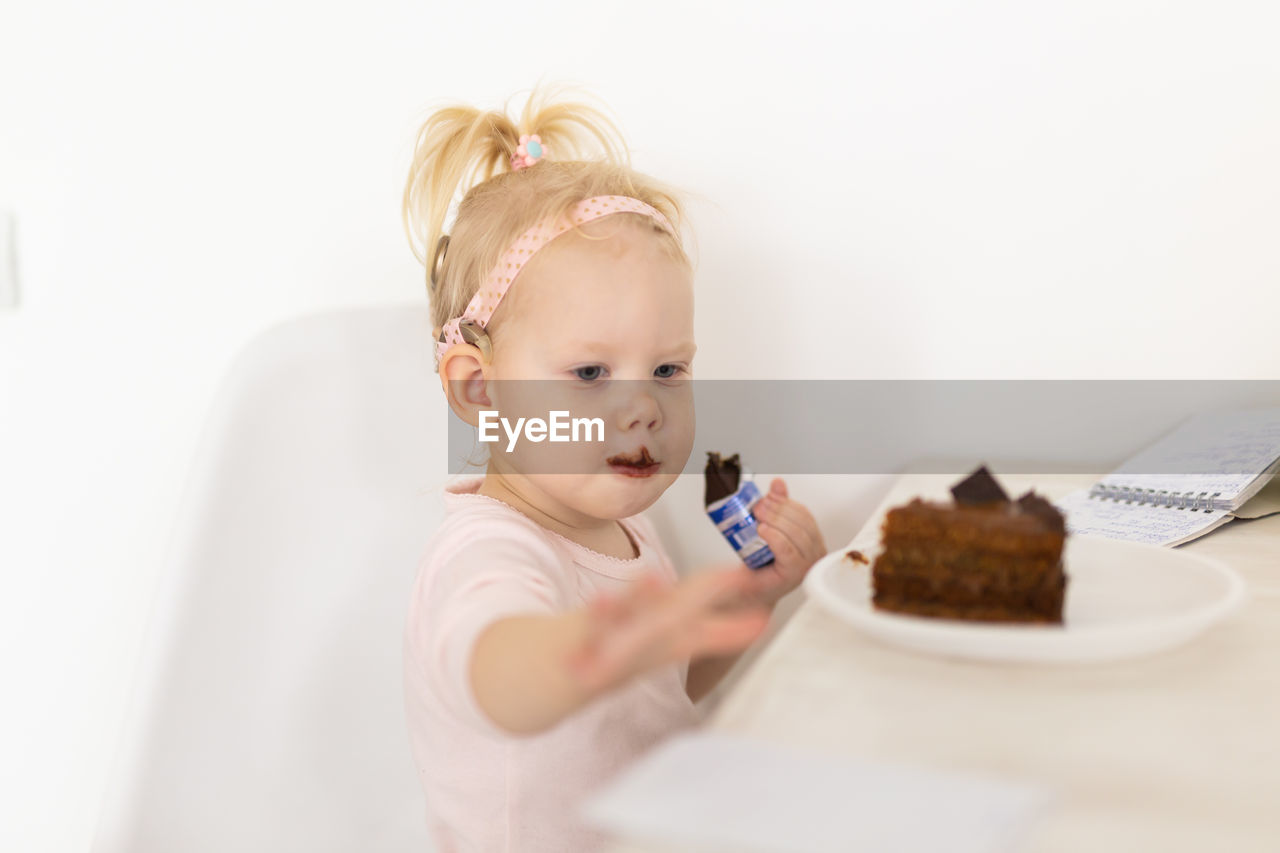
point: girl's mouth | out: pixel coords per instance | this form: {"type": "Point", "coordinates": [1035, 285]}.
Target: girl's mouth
{"type": "Point", "coordinates": [638, 464]}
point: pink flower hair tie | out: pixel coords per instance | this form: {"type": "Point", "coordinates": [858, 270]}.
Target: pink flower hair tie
{"type": "Point", "coordinates": [530, 151]}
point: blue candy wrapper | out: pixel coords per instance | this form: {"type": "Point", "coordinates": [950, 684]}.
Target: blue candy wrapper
{"type": "Point", "coordinates": [733, 518]}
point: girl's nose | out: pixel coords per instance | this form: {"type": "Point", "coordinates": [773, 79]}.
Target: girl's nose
{"type": "Point", "coordinates": [640, 410]}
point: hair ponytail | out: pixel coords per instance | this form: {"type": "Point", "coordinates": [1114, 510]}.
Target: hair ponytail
{"type": "Point", "coordinates": [463, 154]}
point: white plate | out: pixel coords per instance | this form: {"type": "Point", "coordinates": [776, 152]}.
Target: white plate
{"type": "Point", "coordinates": [1124, 599]}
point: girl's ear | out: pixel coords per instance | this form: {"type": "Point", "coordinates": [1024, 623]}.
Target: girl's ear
{"type": "Point", "coordinates": [464, 383]}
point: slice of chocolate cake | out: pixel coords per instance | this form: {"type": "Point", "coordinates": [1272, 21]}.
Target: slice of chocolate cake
{"type": "Point", "coordinates": [983, 557]}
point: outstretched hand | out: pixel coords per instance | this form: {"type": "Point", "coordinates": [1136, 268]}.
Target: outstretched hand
{"type": "Point", "coordinates": [658, 622]}
{"type": "Point", "coordinates": [718, 611]}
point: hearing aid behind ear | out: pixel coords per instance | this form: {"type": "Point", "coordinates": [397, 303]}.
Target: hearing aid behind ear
{"type": "Point", "coordinates": [472, 333]}
{"type": "Point", "coordinates": [437, 263]}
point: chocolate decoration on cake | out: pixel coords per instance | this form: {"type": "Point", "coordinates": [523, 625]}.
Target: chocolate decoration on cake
{"type": "Point", "coordinates": [1042, 509]}
{"type": "Point", "coordinates": [722, 477]}
{"type": "Point", "coordinates": [979, 488]}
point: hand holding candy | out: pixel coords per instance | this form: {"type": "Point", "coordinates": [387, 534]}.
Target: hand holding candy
{"type": "Point", "coordinates": [793, 536]}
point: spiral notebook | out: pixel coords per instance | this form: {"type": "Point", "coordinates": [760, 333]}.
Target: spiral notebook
{"type": "Point", "coordinates": [1189, 483]}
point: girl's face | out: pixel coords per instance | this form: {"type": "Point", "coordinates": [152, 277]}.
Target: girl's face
{"type": "Point", "coordinates": [599, 328]}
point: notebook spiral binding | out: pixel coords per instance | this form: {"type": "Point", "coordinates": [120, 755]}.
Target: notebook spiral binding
{"type": "Point", "coordinates": [1193, 501]}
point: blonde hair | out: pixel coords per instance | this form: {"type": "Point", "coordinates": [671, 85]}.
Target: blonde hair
{"type": "Point", "coordinates": [461, 150]}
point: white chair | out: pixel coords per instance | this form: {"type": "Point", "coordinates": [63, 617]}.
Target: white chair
{"type": "Point", "coordinates": [268, 712]}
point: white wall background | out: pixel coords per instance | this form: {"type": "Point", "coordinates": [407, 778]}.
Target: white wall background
{"type": "Point", "coordinates": [1093, 187]}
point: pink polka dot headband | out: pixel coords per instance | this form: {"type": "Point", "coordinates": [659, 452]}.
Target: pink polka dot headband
{"type": "Point", "coordinates": [469, 327]}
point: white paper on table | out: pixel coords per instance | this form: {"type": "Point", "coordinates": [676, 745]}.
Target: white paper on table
{"type": "Point", "coordinates": [727, 792]}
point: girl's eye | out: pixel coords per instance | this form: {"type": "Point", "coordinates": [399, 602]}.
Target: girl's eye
{"type": "Point", "coordinates": [589, 373]}
{"type": "Point", "coordinates": [667, 371]}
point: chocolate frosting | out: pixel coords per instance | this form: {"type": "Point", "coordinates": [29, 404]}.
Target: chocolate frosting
{"type": "Point", "coordinates": [979, 488]}
{"type": "Point", "coordinates": [722, 477]}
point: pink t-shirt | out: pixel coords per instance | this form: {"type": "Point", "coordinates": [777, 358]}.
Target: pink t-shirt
{"type": "Point", "coordinates": [486, 789]}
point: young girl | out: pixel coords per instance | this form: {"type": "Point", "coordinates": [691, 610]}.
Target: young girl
{"type": "Point", "coordinates": [549, 640]}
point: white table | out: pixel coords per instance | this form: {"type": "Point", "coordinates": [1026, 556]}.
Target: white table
{"type": "Point", "coordinates": [1171, 752]}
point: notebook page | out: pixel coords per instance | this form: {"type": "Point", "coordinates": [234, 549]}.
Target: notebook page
{"type": "Point", "coordinates": [1155, 525]}
{"type": "Point", "coordinates": [1265, 502]}
{"type": "Point", "coordinates": [1215, 452]}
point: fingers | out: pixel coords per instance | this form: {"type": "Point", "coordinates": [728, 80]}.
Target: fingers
{"type": "Point", "coordinates": [718, 614]}
{"type": "Point", "coordinates": [798, 523]}
{"type": "Point", "coordinates": [709, 611]}
{"type": "Point", "coordinates": [794, 522]}
{"type": "Point", "coordinates": [782, 545]}
{"type": "Point", "coordinates": [605, 611]}
{"type": "Point", "coordinates": [656, 622]}
{"type": "Point", "coordinates": [610, 641]}
{"type": "Point", "coordinates": [788, 556]}
{"type": "Point", "coordinates": [620, 628]}
{"type": "Point", "coordinates": [707, 589]}
{"type": "Point", "coordinates": [778, 487]}
{"type": "Point", "coordinates": [728, 634]}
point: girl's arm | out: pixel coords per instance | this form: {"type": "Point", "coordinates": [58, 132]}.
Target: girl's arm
{"type": "Point", "coordinates": [528, 672]}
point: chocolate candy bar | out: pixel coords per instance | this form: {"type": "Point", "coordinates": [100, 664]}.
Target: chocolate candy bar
{"type": "Point", "coordinates": [729, 500]}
